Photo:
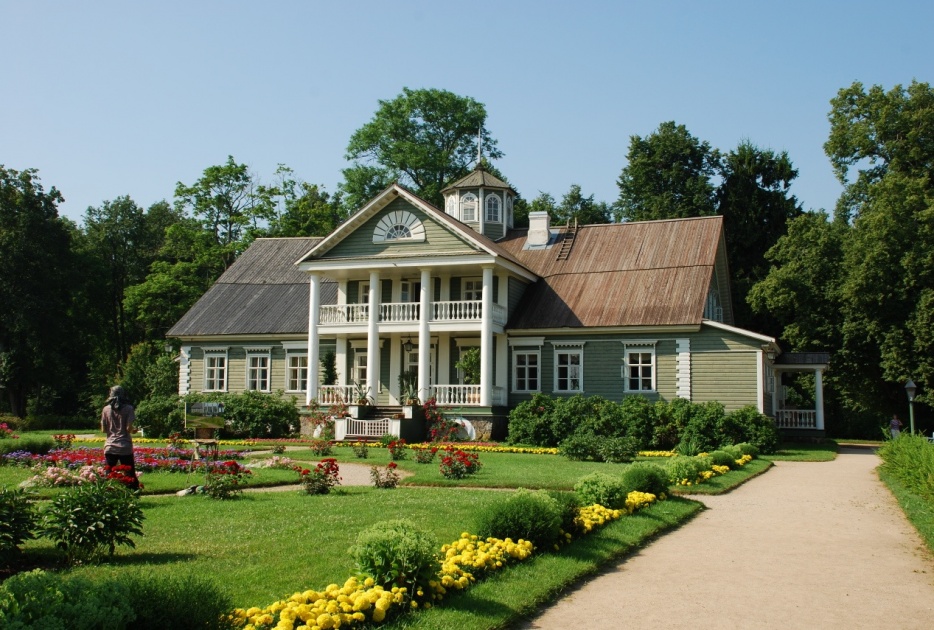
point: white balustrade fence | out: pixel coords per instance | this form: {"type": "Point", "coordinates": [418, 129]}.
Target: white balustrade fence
{"type": "Point", "coordinates": [796, 419]}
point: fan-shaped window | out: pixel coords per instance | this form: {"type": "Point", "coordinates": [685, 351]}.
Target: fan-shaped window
{"type": "Point", "coordinates": [398, 226]}
{"type": "Point", "coordinates": [468, 207]}
{"type": "Point", "coordinates": [492, 209]}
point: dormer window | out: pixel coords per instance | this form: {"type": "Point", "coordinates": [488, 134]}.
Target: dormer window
{"type": "Point", "coordinates": [468, 207]}
{"type": "Point", "coordinates": [399, 226]}
{"type": "Point", "coordinates": [492, 209]}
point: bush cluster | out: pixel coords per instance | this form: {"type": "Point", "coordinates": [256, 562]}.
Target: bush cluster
{"type": "Point", "coordinates": [535, 516]}
{"type": "Point", "coordinates": [396, 553]}
{"type": "Point", "coordinates": [35, 444]}
{"type": "Point", "coordinates": [594, 428]}
{"type": "Point", "coordinates": [38, 599]}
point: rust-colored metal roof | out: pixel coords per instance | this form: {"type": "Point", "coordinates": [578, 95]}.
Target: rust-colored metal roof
{"type": "Point", "coordinates": [647, 273]}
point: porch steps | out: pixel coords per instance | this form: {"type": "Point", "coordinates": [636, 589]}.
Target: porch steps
{"type": "Point", "coordinates": [567, 242]}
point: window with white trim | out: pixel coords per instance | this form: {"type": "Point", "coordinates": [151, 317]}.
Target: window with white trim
{"type": "Point", "coordinates": [569, 369]}
{"type": "Point", "coordinates": [359, 368]}
{"type": "Point", "coordinates": [473, 289]}
{"type": "Point", "coordinates": [468, 207]}
{"type": "Point", "coordinates": [451, 205]}
{"type": "Point", "coordinates": [215, 371]}
{"type": "Point", "coordinates": [640, 370]}
{"type": "Point", "coordinates": [492, 209]}
{"type": "Point", "coordinates": [257, 371]}
{"type": "Point", "coordinates": [525, 370]}
{"type": "Point", "coordinates": [296, 371]}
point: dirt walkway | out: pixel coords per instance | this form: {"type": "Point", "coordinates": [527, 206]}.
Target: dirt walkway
{"type": "Point", "coordinates": [806, 545]}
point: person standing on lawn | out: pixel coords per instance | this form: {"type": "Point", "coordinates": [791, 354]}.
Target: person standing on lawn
{"type": "Point", "coordinates": [117, 420]}
{"type": "Point", "coordinates": [895, 426]}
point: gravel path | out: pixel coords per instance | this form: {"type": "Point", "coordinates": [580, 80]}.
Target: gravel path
{"type": "Point", "coordinates": [806, 545]}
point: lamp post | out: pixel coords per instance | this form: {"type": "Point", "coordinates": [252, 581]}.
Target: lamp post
{"type": "Point", "coordinates": [910, 389]}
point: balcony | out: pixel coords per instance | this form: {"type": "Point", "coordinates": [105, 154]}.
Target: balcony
{"type": "Point", "coordinates": [409, 312]}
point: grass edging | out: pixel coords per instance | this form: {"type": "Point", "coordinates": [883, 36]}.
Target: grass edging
{"type": "Point", "coordinates": [518, 591]}
{"type": "Point", "coordinates": [722, 484]}
{"type": "Point", "coordinates": [919, 511]}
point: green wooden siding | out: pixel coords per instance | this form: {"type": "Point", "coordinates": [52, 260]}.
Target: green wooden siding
{"type": "Point", "coordinates": [438, 239]}
{"type": "Point", "coordinates": [516, 290]}
{"type": "Point", "coordinates": [728, 377]}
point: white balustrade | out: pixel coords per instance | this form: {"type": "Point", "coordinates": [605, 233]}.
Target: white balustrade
{"type": "Point", "coordinates": [796, 419]}
{"type": "Point", "coordinates": [399, 312]}
{"type": "Point", "coordinates": [461, 395]}
{"type": "Point", "coordinates": [344, 314]}
{"type": "Point", "coordinates": [335, 394]}
{"type": "Point", "coordinates": [367, 428]}
{"type": "Point", "coordinates": [459, 311]}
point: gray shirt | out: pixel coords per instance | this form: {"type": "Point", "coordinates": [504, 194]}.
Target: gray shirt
{"type": "Point", "coordinates": [117, 425]}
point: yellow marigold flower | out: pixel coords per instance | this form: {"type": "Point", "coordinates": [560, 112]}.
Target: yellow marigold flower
{"type": "Point", "coordinates": [379, 615]}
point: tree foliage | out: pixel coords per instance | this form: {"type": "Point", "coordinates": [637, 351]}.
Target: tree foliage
{"type": "Point", "coordinates": [36, 275]}
{"type": "Point", "coordinates": [668, 175]}
{"type": "Point", "coordinates": [426, 138]}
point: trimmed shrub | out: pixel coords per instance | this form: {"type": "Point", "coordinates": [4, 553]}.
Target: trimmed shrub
{"type": "Point", "coordinates": [17, 520]}
{"type": "Point", "coordinates": [570, 506]}
{"type": "Point", "coordinates": [529, 422]}
{"type": "Point", "coordinates": [35, 444]}
{"type": "Point", "coordinates": [573, 415]}
{"type": "Point", "coordinates": [702, 430]}
{"type": "Point", "coordinates": [581, 447]}
{"type": "Point", "coordinates": [177, 601]}
{"type": "Point", "coordinates": [530, 515]}
{"type": "Point", "coordinates": [601, 488]}
{"type": "Point", "coordinates": [161, 416]}
{"type": "Point", "coordinates": [396, 553]}
{"type": "Point", "coordinates": [639, 416]}
{"type": "Point", "coordinates": [748, 449]}
{"type": "Point", "coordinates": [88, 521]}
{"type": "Point", "coordinates": [645, 477]}
{"type": "Point", "coordinates": [734, 451]}
{"type": "Point", "coordinates": [671, 418]}
{"type": "Point", "coordinates": [618, 450]}
{"type": "Point", "coordinates": [757, 429]}
{"type": "Point", "coordinates": [37, 599]}
{"type": "Point", "coordinates": [260, 415]}
{"type": "Point", "coordinates": [684, 469]}
{"type": "Point", "coordinates": [722, 458]}
{"type": "Point", "coordinates": [600, 417]}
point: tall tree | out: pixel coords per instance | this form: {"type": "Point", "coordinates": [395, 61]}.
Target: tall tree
{"type": "Point", "coordinates": [425, 137]}
{"type": "Point", "coordinates": [756, 204]}
{"type": "Point", "coordinates": [300, 208]}
{"type": "Point", "coordinates": [668, 175]}
{"type": "Point", "coordinates": [36, 273]}
{"type": "Point", "coordinates": [575, 206]}
{"type": "Point", "coordinates": [226, 202]}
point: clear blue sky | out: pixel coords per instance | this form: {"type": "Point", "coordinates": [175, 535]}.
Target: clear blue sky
{"type": "Point", "coordinates": [127, 98]}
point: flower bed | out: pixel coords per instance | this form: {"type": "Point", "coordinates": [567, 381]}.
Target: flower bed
{"type": "Point", "coordinates": [147, 459]}
{"type": "Point", "coordinates": [462, 563]}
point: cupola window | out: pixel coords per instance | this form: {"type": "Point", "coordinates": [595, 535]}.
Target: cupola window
{"type": "Point", "coordinates": [492, 209]}
{"type": "Point", "coordinates": [468, 207]}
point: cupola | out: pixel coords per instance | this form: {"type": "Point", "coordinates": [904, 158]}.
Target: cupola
{"type": "Point", "coordinates": [481, 200]}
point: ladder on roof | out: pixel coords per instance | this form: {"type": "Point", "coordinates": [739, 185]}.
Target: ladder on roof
{"type": "Point", "coordinates": [570, 231]}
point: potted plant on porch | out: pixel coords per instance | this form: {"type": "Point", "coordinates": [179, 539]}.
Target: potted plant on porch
{"type": "Point", "coordinates": [408, 393]}
{"type": "Point", "coordinates": [361, 399]}
{"type": "Point", "coordinates": [469, 364]}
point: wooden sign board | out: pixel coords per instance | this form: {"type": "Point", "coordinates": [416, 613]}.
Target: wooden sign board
{"type": "Point", "coordinates": [204, 415]}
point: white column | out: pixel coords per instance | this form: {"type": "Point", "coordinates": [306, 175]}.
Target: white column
{"type": "Point", "coordinates": [819, 398]}
{"type": "Point", "coordinates": [395, 369]}
{"type": "Point", "coordinates": [502, 365]}
{"type": "Point", "coordinates": [340, 358]}
{"type": "Point", "coordinates": [424, 337]}
{"type": "Point", "coordinates": [372, 340]}
{"type": "Point", "coordinates": [314, 306]}
{"type": "Point", "coordinates": [486, 338]}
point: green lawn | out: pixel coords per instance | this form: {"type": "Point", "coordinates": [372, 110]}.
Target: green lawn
{"type": "Point", "coordinates": [805, 452]}
{"type": "Point", "coordinates": [266, 545]}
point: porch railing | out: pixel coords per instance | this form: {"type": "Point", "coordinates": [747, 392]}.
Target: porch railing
{"type": "Point", "coordinates": [367, 428]}
{"type": "Point", "coordinates": [335, 394]}
{"type": "Point", "coordinates": [796, 419]}
{"type": "Point", "coordinates": [399, 312]}
{"type": "Point", "coordinates": [344, 314]}
{"type": "Point", "coordinates": [457, 311]}
{"type": "Point", "coordinates": [460, 395]}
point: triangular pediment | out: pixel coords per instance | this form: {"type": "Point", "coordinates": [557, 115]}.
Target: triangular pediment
{"type": "Point", "coordinates": [398, 224]}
